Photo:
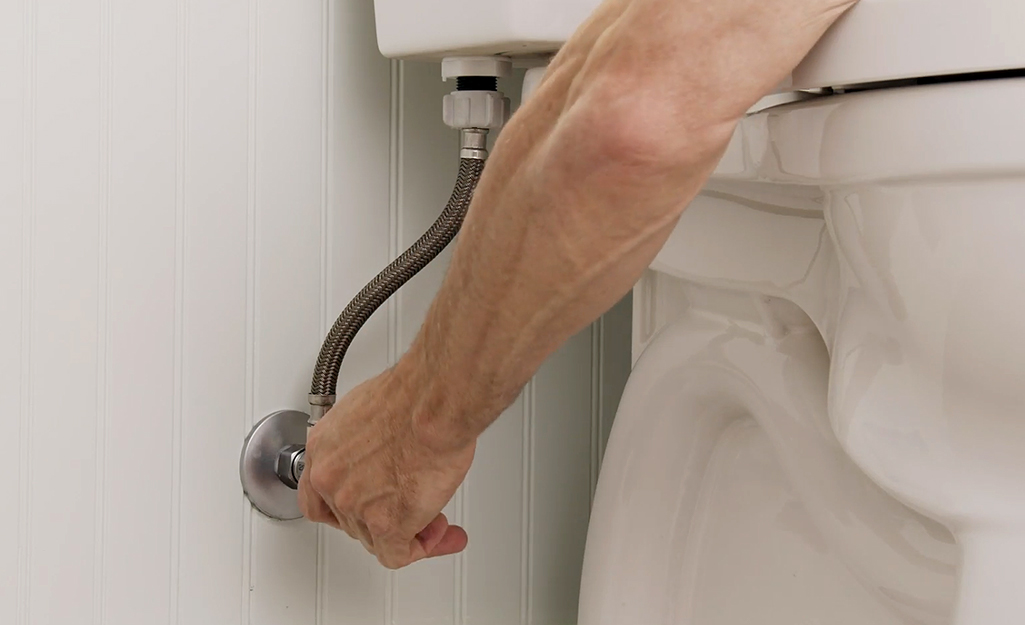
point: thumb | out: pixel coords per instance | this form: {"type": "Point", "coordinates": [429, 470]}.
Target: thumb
{"type": "Point", "coordinates": [441, 539]}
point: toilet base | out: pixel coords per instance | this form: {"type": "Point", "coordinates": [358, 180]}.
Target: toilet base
{"type": "Point", "coordinates": [992, 589]}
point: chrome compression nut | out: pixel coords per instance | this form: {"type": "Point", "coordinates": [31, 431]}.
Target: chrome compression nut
{"type": "Point", "coordinates": [290, 465]}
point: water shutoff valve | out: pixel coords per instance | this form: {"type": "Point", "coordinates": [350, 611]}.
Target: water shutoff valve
{"type": "Point", "coordinates": [476, 102]}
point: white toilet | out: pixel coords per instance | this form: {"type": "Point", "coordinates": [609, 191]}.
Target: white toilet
{"type": "Point", "coordinates": [826, 422]}
{"type": "Point", "coordinates": [826, 419]}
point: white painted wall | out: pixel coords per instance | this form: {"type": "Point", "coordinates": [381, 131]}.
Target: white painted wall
{"type": "Point", "coordinates": [190, 190]}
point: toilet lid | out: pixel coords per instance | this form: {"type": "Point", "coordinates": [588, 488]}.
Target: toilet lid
{"type": "Point", "coordinates": [885, 40]}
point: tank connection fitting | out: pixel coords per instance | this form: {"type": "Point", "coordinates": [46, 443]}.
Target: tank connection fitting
{"type": "Point", "coordinates": [476, 103]}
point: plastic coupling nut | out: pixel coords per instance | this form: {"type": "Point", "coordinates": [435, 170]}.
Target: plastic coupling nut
{"type": "Point", "coordinates": [475, 109]}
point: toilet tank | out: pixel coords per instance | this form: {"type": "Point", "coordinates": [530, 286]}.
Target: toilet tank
{"type": "Point", "coordinates": [433, 29]}
{"type": "Point", "coordinates": [877, 40]}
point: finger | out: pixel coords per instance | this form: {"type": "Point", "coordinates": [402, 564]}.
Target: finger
{"type": "Point", "coordinates": [396, 555]}
{"type": "Point", "coordinates": [441, 539]}
{"type": "Point", "coordinates": [357, 531]}
{"type": "Point", "coordinates": [313, 506]}
{"type": "Point", "coordinates": [437, 539]}
{"type": "Point", "coordinates": [367, 544]}
{"type": "Point", "coordinates": [364, 535]}
{"type": "Point", "coordinates": [431, 535]}
{"type": "Point", "coordinates": [318, 510]}
{"type": "Point", "coordinates": [343, 524]}
{"type": "Point", "coordinates": [352, 527]}
{"type": "Point", "coordinates": [454, 541]}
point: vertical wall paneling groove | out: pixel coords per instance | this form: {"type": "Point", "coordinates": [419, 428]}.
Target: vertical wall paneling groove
{"type": "Point", "coordinates": [103, 327]}
{"type": "Point", "coordinates": [360, 240]}
{"type": "Point", "coordinates": [492, 580]}
{"type": "Point", "coordinates": [598, 425]}
{"type": "Point", "coordinates": [598, 395]}
{"type": "Point", "coordinates": [24, 289]}
{"type": "Point", "coordinates": [181, 121]}
{"type": "Point", "coordinates": [143, 290]}
{"type": "Point", "coordinates": [252, 57]}
{"type": "Point", "coordinates": [288, 257]}
{"type": "Point", "coordinates": [64, 310]}
{"type": "Point", "coordinates": [31, 16]}
{"type": "Point", "coordinates": [327, 42]}
{"type": "Point", "coordinates": [395, 206]}
{"type": "Point", "coordinates": [596, 403]}
{"type": "Point", "coordinates": [27, 289]}
{"type": "Point", "coordinates": [215, 311]}
{"type": "Point", "coordinates": [142, 314]}
{"type": "Point", "coordinates": [16, 104]}
{"type": "Point", "coordinates": [459, 561]}
{"type": "Point", "coordinates": [561, 479]}
{"type": "Point", "coordinates": [395, 132]}
{"type": "Point", "coordinates": [325, 169]}
{"type": "Point", "coordinates": [616, 364]}
{"type": "Point", "coordinates": [527, 554]}
{"type": "Point", "coordinates": [462, 570]}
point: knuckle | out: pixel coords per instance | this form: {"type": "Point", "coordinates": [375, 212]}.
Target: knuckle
{"type": "Point", "coordinates": [392, 561]}
{"type": "Point", "coordinates": [346, 526]}
{"type": "Point", "coordinates": [344, 500]}
{"type": "Point", "coordinates": [311, 507]}
{"type": "Point", "coordinates": [379, 520]}
{"type": "Point", "coordinates": [320, 479]}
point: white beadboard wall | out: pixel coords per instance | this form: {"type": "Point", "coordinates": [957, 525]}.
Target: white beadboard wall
{"type": "Point", "coordinates": [190, 190]}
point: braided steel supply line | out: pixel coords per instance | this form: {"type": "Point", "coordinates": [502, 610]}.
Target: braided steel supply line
{"type": "Point", "coordinates": [398, 273]}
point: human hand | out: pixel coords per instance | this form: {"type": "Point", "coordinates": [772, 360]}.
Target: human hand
{"type": "Point", "coordinates": [369, 474]}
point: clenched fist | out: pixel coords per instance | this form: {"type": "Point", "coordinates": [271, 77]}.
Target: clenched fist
{"type": "Point", "coordinates": [370, 474]}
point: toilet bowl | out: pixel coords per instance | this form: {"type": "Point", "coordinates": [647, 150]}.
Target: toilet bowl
{"type": "Point", "coordinates": [826, 418]}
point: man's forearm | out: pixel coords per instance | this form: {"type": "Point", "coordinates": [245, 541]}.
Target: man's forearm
{"type": "Point", "coordinates": [585, 185]}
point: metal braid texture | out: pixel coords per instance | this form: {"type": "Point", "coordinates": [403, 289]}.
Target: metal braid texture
{"type": "Point", "coordinates": [399, 272]}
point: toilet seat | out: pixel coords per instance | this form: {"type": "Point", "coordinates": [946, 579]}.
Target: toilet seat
{"type": "Point", "coordinates": [807, 437]}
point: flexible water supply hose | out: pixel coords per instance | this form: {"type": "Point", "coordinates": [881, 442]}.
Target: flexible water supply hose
{"type": "Point", "coordinates": [325, 377]}
{"type": "Point", "coordinates": [273, 458]}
